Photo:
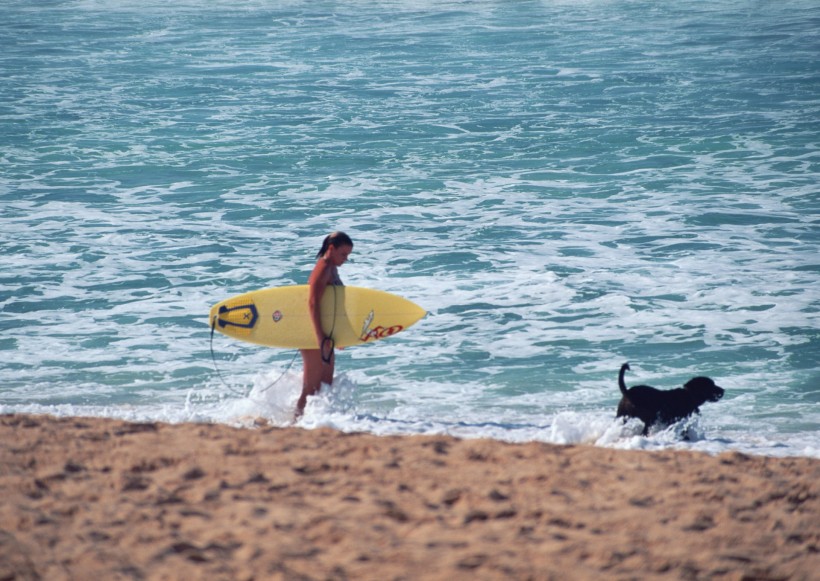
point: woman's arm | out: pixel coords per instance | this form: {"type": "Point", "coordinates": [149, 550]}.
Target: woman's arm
{"type": "Point", "coordinates": [316, 288]}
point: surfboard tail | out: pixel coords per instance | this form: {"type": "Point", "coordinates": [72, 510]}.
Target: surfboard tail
{"type": "Point", "coordinates": [239, 316]}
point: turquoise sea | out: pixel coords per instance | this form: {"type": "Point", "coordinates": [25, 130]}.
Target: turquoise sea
{"type": "Point", "coordinates": [564, 185]}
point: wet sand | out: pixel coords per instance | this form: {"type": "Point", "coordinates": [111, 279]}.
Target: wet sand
{"type": "Point", "coordinates": [104, 499]}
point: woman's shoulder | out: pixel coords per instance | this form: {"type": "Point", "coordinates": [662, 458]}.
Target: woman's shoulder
{"type": "Point", "coordinates": [322, 272]}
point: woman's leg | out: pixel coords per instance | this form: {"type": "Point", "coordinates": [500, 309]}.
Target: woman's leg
{"type": "Point", "coordinates": [311, 377]}
{"type": "Point", "coordinates": [315, 373]}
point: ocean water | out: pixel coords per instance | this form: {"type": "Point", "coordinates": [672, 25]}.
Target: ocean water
{"type": "Point", "coordinates": [564, 186]}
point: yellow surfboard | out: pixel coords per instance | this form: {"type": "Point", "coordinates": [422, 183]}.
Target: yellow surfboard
{"type": "Point", "coordinates": [279, 317]}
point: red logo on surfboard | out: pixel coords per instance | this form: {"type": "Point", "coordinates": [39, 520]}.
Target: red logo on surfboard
{"type": "Point", "coordinates": [381, 332]}
{"type": "Point", "coordinates": [376, 332]}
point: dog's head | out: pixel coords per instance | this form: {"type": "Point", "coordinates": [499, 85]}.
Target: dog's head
{"type": "Point", "coordinates": [704, 389]}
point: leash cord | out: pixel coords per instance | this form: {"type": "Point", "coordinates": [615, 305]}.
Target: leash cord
{"type": "Point", "coordinates": [233, 390]}
{"type": "Point", "coordinates": [274, 382]}
{"type": "Point", "coordinates": [216, 367]}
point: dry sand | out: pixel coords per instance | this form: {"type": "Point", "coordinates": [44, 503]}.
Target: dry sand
{"type": "Point", "coordinates": [97, 499]}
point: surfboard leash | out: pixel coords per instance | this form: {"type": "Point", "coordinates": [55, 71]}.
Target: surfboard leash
{"type": "Point", "coordinates": [216, 367]}
{"type": "Point", "coordinates": [274, 382]}
{"type": "Point", "coordinates": [225, 383]}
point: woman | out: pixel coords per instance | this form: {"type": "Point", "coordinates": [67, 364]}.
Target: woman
{"type": "Point", "coordinates": [319, 363]}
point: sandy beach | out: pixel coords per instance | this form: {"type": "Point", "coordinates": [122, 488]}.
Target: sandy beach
{"type": "Point", "coordinates": [106, 499]}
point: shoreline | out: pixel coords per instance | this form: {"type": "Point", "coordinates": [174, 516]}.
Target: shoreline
{"type": "Point", "coordinates": [86, 497]}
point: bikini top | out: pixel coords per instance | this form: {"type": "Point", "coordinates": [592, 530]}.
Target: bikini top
{"type": "Point", "coordinates": [335, 280]}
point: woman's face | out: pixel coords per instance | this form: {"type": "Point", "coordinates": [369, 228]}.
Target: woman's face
{"type": "Point", "coordinates": [337, 256]}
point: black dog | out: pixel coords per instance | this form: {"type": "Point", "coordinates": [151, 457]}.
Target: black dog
{"type": "Point", "coordinates": [652, 405]}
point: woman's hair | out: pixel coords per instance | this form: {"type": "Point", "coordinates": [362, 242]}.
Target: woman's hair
{"type": "Point", "coordinates": [336, 239]}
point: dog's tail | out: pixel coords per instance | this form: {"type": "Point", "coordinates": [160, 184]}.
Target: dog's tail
{"type": "Point", "coordinates": [621, 384]}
